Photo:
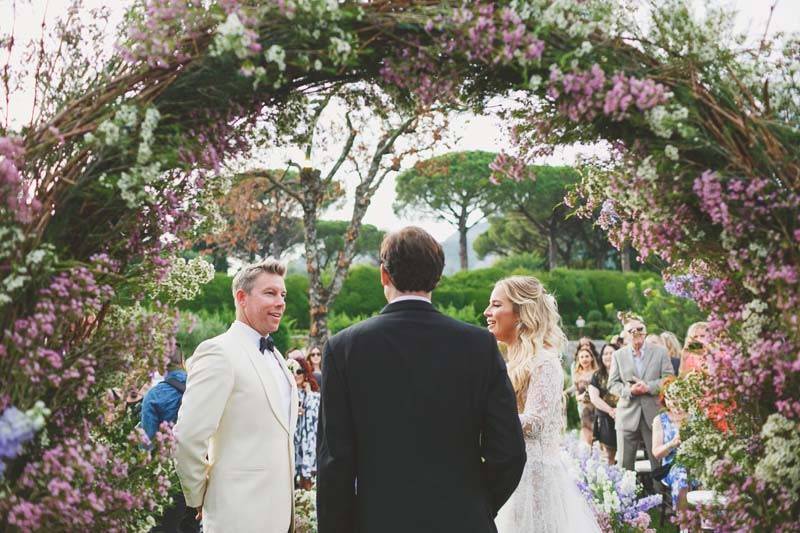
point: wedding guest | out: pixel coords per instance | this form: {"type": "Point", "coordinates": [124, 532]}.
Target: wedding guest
{"type": "Point", "coordinates": [637, 371]}
{"type": "Point", "coordinates": [586, 342]}
{"type": "Point", "coordinates": [583, 368]}
{"type": "Point", "coordinates": [314, 358]}
{"type": "Point", "coordinates": [666, 440]}
{"type": "Point", "coordinates": [305, 435]}
{"type": "Point", "coordinates": [673, 347]}
{"type": "Point", "coordinates": [693, 356]}
{"type": "Point", "coordinates": [295, 353]}
{"type": "Point", "coordinates": [161, 404]}
{"type": "Point", "coordinates": [655, 339]}
{"type": "Point", "coordinates": [605, 404]}
{"type": "Point", "coordinates": [162, 401]}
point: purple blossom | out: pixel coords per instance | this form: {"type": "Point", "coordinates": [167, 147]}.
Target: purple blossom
{"type": "Point", "coordinates": [682, 285]}
{"type": "Point", "coordinates": [16, 429]}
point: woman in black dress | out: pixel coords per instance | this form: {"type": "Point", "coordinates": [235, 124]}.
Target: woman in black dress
{"type": "Point", "coordinates": [605, 404]}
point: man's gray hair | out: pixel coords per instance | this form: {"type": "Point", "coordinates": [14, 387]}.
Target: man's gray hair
{"type": "Point", "coordinates": [246, 277]}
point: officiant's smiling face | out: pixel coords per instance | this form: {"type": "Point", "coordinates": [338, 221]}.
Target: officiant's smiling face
{"type": "Point", "coordinates": [264, 305]}
{"type": "Point", "coordinates": [501, 317]}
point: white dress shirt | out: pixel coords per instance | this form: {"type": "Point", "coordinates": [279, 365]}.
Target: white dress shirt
{"type": "Point", "coordinates": [275, 367]}
{"type": "Point", "coordinates": [410, 297]}
{"type": "Point", "coordinates": [638, 360]}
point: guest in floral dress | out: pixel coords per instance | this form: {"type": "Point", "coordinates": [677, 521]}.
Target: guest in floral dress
{"type": "Point", "coordinates": [305, 436]}
{"type": "Point", "coordinates": [666, 440]}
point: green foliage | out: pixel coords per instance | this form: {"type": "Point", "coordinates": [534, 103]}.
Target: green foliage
{"type": "Point", "coordinates": [361, 294]}
{"type": "Point", "coordinates": [531, 212]}
{"type": "Point", "coordinates": [521, 261]}
{"type": "Point", "coordinates": [662, 311]}
{"type": "Point", "coordinates": [450, 186]}
{"type": "Point", "coordinates": [197, 326]}
{"type": "Point", "coordinates": [466, 314]}
{"type": "Point", "coordinates": [596, 295]}
{"type": "Point", "coordinates": [297, 300]}
{"type": "Point", "coordinates": [339, 321]}
{"type": "Point", "coordinates": [215, 296]}
{"type": "Point", "coordinates": [330, 239]}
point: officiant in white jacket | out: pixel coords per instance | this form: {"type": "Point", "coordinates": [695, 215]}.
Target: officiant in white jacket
{"type": "Point", "coordinates": [236, 424]}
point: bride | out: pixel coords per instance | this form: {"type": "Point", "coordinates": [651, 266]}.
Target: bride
{"type": "Point", "coordinates": [525, 317]}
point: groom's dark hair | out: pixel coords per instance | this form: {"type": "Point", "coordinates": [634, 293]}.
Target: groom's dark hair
{"type": "Point", "coordinates": [413, 259]}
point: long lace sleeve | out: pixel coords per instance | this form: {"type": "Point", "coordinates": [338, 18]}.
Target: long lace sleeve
{"type": "Point", "coordinates": [543, 403]}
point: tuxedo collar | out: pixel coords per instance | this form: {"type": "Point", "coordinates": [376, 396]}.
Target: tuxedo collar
{"type": "Point", "coordinates": [408, 305]}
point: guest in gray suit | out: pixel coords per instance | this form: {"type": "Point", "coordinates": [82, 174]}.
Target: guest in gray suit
{"type": "Point", "coordinates": [637, 371]}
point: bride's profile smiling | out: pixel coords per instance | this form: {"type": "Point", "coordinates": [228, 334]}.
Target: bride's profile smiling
{"type": "Point", "coordinates": [501, 318]}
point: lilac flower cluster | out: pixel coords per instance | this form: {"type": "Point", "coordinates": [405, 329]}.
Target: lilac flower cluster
{"type": "Point", "coordinates": [608, 217]}
{"type": "Point", "coordinates": [682, 285]}
{"type": "Point", "coordinates": [11, 158]}
{"type": "Point", "coordinates": [628, 90]}
{"type": "Point", "coordinates": [85, 483]}
{"type": "Point", "coordinates": [479, 33]}
{"type": "Point", "coordinates": [41, 340]}
{"type": "Point", "coordinates": [165, 35]}
{"type": "Point", "coordinates": [508, 166]}
{"type": "Point", "coordinates": [582, 94]}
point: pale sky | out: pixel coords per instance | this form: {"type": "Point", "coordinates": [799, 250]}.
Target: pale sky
{"type": "Point", "coordinates": [475, 132]}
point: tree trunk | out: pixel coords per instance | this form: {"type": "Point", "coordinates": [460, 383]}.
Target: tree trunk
{"type": "Point", "coordinates": [462, 242]}
{"type": "Point", "coordinates": [552, 249]}
{"type": "Point", "coordinates": [625, 258]}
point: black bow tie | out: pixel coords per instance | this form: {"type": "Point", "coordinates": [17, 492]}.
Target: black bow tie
{"type": "Point", "coordinates": [266, 342]}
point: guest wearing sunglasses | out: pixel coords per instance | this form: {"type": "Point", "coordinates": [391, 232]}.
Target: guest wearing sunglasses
{"type": "Point", "coordinates": [305, 436]}
{"type": "Point", "coordinates": [314, 358]}
{"type": "Point", "coordinates": [637, 371]}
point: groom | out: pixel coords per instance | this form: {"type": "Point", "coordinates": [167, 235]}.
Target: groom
{"type": "Point", "coordinates": [418, 429]}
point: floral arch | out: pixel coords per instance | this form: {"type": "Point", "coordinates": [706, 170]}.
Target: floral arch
{"type": "Point", "coordinates": [99, 192]}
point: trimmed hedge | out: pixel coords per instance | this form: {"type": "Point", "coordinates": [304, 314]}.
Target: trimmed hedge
{"type": "Point", "coordinates": [465, 294]}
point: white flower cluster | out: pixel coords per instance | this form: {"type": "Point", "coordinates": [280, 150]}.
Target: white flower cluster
{"type": "Point", "coordinates": [664, 120]}
{"type": "Point", "coordinates": [151, 118]}
{"type": "Point", "coordinates": [671, 152]}
{"type": "Point", "coordinates": [753, 320]}
{"type": "Point", "coordinates": [276, 54]}
{"type": "Point", "coordinates": [185, 279]}
{"type": "Point", "coordinates": [111, 131]}
{"type": "Point", "coordinates": [232, 36]}
{"type": "Point", "coordinates": [22, 271]}
{"type": "Point", "coordinates": [340, 50]}
{"type": "Point", "coordinates": [780, 465]}
{"type": "Point", "coordinates": [133, 185]}
{"type": "Point", "coordinates": [37, 415]}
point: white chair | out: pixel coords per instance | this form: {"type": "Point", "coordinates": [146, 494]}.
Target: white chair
{"type": "Point", "coordinates": [643, 467]}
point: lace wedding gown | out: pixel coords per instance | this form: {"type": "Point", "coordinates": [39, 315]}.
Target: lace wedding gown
{"type": "Point", "coordinates": [547, 500]}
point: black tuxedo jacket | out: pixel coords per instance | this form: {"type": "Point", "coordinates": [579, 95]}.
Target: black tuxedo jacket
{"type": "Point", "coordinates": [418, 428]}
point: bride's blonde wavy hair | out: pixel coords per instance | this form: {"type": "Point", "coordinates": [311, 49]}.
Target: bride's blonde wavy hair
{"type": "Point", "coordinates": [539, 327]}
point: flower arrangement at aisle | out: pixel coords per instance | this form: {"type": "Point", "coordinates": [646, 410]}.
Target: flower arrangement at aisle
{"type": "Point", "coordinates": [612, 491]}
{"type": "Point", "coordinates": [305, 510]}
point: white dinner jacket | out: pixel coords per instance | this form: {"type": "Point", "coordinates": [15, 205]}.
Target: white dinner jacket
{"type": "Point", "coordinates": [235, 446]}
